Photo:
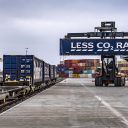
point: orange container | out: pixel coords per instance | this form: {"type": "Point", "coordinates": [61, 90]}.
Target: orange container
{"type": "Point", "coordinates": [74, 61]}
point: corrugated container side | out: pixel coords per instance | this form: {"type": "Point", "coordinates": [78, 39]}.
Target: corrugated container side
{"type": "Point", "coordinates": [82, 75]}
{"type": "Point", "coordinates": [77, 66]}
{"type": "Point", "coordinates": [71, 68]}
{"type": "Point", "coordinates": [81, 64]}
{"type": "Point", "coordinates": [122, 62]}
{"type": "Point", "coordinates": [93, 71]}
{"type": "Point", "coordinates": [74, 65]}
{"type": "Point", "coordinates": [124, 71]}
{"type": "Point", "coordinates": [67, 61]}
{"type": "Point", "coordinates": [75, 61]}
{"type": "Point", "coordinates": [68, 72]}
{"type": "Point", "coordinates": [87, 71]}
{"type": "Point", "coordinates": [70, 75]}
{"type": "Point", "coordinates": [18, 68]}
{"type": "Point", "coordinates": [86, 75]}
{"type": "Point", "coordinates": [89, 75]}
{"type": "Point", "coordinates": [122, 65]}
{"type": "Point", "coordinates": [83, 61]}
{"type": "Point", "coordinates": [51, 71]}
{"type": "Point", "coordinates": [68, 65]}
{"type": "Point", "coordinates": [46, 72]}
{"type": "Point", "coordinates": [75, 75]}
{"type": "Point", "coordinates": [63, 75]}
{"type": "Point", "coordinates": [93, 68]}
{"type": "Point", "coordinates": [93, 75]}
{"type": "Point", "coordinates": [26, 68]}
{"type": "Point", "coordinates": [123, 68]}
{"type": "Point", "coordinates": [38, 72]}
{"type": "Point", "coordinates": [55, 72]}
{"type": "Point", "coordinates": [10, 73]}
{"type": "Point", "coordinates": [61, 62]}
{"type": "Point", "coordinates": [61, 68]}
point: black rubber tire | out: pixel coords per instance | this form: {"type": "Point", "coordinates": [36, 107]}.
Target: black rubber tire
{"type": "Point", "coordinates": [123, 81]}
{"type": "Point", "coordinates": [106, 84]}
{"type": "Point", "coordinates": [118, 82]}
{"type": "Point", "coordinates": [98, 81]}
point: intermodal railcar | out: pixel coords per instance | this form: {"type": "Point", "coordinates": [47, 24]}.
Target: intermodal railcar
{"type": "Point", "coordinates": [27, 70]}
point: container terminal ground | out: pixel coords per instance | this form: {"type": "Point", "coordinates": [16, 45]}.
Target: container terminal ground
{"type": "Point", "coordinates": [72, 103]}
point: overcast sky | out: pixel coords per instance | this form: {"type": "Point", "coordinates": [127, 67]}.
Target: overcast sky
{"type": "Point", "coordinates": [39, 24]}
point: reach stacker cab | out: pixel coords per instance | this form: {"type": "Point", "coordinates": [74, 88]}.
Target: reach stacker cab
{"type": "Point", "coordinates": [109, 73]}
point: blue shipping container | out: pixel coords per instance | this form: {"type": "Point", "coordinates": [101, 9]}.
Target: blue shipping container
{"type": "Point", "coordinates": [22, 68]}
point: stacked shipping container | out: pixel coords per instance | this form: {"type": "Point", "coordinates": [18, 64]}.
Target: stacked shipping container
{"type": "Point", "coordinates": [79, 68]}
{"type": "Point", "coordinates": [123, 67]}
{"type": "Point", "coordinates": [27, 70]}
{"type": "Point", "coordinates": [61, 71]}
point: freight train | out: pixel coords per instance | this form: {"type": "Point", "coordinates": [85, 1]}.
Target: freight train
{"type": "Point", "coordinates": [23, 74]}
{"type": "Point", "coordinates": [26, 70]}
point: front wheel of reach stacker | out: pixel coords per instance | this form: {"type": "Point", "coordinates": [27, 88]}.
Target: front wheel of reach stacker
{"type": "Point", "coordinates": [98, 81]}
{"type": "Point", "coordinates": [118, 82]}
{"type": "Point", "coordinates": [123, 81]}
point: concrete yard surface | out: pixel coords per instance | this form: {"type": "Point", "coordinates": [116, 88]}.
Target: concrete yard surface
{"type": "Point", "coordinates": [73, 103]}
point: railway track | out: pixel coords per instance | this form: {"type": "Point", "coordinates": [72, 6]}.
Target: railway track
{"type": "Point", "coordinates": [12, 101]}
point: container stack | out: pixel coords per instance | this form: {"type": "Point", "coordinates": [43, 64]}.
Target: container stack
{"type": "Point", "coordinates": [84, 68]}
{"type": "Point", "coordinates": [61, 69]}
{"type": "Point", "coordinates": [123, 67]}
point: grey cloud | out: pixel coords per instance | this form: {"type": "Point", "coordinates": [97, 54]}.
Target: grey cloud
{"type": "Point", "coordinates": [39, 24]}
{"type": "Point", "coordinates": [50, 8]}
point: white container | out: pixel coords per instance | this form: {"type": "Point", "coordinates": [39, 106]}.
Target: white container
{"type": "Point", "coordinates": [86, 75]}
{"type": "Point", "coordinates": [81, 75]}
{"type": "Point", "coordinates": [81, 64]}
{"type": "Point", "coordinates": [85, 71]}
{"type": "Point", "coordinates": [70, 72]}
{"type": "Point", "coordinates": [89, 75]}
{"type": "Point", "coordinates": [61, 62]}
{"type": "Point", "coordinates": [70, 75]}
{"type": "Point", "coordinates": [93, 71]}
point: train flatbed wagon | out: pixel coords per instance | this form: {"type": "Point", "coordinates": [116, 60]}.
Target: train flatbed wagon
{"type": "Point", "coordinates": [3, 96]}
{"type": "Point", "coordinates": [9, 92]}
{"type": "Point", "coordinates": [11, 88]}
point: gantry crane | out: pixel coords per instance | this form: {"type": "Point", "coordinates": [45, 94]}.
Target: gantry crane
{"type": "Point", "coordinates": [109, 73]}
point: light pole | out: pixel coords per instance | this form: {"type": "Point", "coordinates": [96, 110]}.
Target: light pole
{"type": "Point", "coordinates": [25, 65]}
{"type": "Point", "coordinates": [26, 51]}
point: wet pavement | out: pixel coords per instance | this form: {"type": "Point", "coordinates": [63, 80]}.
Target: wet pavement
{"type": "Point", "coordinates": [73, 103]}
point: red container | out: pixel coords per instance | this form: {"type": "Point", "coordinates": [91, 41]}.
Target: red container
{"type": "Point", "coordinates": [68, 65]}
{"type": "Point", "coordinates": [83, 61]}
{"type": "Point", "coordinates": [67, 61]}
{"type": "Point", "coordinates": [83, 64]}
{"type": "Point", "coordinates": [63, 75]}
{"type": "Point", "coordinates": [124, 71]}
{"type": "Point", "coordinates": [93, 75]}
